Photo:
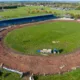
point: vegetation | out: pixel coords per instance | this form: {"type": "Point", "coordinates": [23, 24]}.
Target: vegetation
{"type": "Point", "coordinates": [6, 75]}
{"type": "Point", "coordinates": [73, 75]}
{"type": "Point", "coordinates": [30, 39]}
{"type": "Point", "coordinates": [23, 12]}
{"type": "Point", "coordinates": [36, 10]}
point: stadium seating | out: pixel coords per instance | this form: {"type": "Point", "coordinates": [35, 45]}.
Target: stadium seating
{"type": "Point", "coordinates": [18, 21]}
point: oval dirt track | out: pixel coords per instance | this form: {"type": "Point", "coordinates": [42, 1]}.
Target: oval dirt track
{"type": "Point", "coordinates": [37, 64]}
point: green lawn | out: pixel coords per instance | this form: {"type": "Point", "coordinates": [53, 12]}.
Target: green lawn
{"type": "Point", "coordinates": [73, 75]}
{"type": "Point", "coordinates": [6, 75]}
{"type": "Point", "coordinates": [30, 39]}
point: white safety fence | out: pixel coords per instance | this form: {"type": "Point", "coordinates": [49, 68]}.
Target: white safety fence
{"type": "Point", "coordinates": [15, 71]}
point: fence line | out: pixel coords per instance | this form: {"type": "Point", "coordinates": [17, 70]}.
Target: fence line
{"type": "Point", "coordinates": [15, 71]}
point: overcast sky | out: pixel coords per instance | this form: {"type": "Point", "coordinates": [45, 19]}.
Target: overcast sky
{"type": "Point", "coordinates": [39, 0]}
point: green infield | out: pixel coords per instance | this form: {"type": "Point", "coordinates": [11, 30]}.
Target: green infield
{"type": "Point", "coordinates": [61, 35]}
{"type": "Point", "coordinates": [6, 75]}
{"type": "Point", "coordinates": [73, 75]}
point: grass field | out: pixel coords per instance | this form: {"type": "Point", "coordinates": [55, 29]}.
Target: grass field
{"type": "Point", "coordinates": [23, 12]}
{"type": "Point", "coordinates": [32, 11]}
{"type": "Point", "coordinates": [73, 75]}
{"type": "Point", "coordinates": [30, 39]}
{"type": "Point", "coordinates": [6, 75]}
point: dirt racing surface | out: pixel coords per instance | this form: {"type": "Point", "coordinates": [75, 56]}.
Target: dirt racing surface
{"type": "Point", "coordinates": [37, 64]}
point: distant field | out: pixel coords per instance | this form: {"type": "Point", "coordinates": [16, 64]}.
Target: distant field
{"type": "Point", "coordinates": [32, 11]}
{"type": "Point", "coordinates": [6, 75]}
{"type": "Point", "coordinates": [30, 39]}
{"type": "Point", "coordinates": [23, 12]}
{"type": "Point", "coordinates": [64, 11]}
{"type": "Point", "coordinates": [73, 75]}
